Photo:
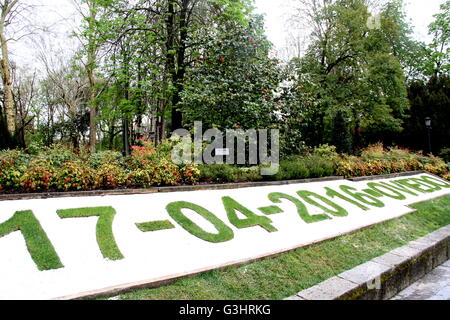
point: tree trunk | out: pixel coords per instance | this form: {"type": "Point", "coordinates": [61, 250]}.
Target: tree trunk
{"type": "Point", "coordinates": [7, 86]}
{"type": "Point", "coordinates": [90, 72]}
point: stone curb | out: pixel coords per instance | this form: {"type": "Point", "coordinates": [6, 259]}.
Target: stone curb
{"type": "Point", "coordinates": [391, 175]}
{"type": "Point", "coordinates": [226, 186]}
{"type": "Point", "coordinates": [385, 276]}
{"type": "Point", "coordinates": [100, 193]}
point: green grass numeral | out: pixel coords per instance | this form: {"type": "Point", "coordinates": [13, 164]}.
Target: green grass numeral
{"type": "Point", "coordinates": [39, 246]}
{"type": "Point", "coordinates": [308, 195]}
{"type": "Point", "coordinates": [252, 220]}
{"type": "Point", "coordinates": [104, 233]}
{"type": "Point", "coordinates": [301, 208]}
{"type": "Point", "coordinates": [224, 234]}
{"type": "Point", "coordinates": [363, 197]}
{"type": "Point", "coordinates": [333, 193]}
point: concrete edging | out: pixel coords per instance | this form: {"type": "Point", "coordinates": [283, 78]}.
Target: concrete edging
{"type": "Point", "coordinates": [385, 276]}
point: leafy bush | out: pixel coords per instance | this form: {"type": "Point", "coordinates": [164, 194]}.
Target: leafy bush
{"type": "Point", "coordinates": [290, 170]}
{"type": "Point", "coordinates": [75, 175]}
{"type": "Point", "coordinates": [110, 175]}
{"type": "Point", "coordinates": [217, 173]}
{"type": "Point", "coordinates": [312, 166]}
{"type": "Point", "coordinates": [57, 155]}
{"type": "Point", "coordinates": [99, 159]}
{"type": "Point", "coordinates": [445, 154]}
{"type": "Point", "coordinates": [374, 151]}
{"type": "Point", "coordinates": [37, 178]}
{"type": "Point", "coordinates": [247, 174]}
{"type": "Point", "coordinates": [12, 165]}
{"type": "Point", "coordinates": [190, 174]}
{"type": "Point", "coordinates": [154, 174]}
{"type": "Point", "coordinates": [436, 165]}
{"type": "Point", "coordinates": [59, 169]}
{"type": "Point", "coordinates": [326, 151]}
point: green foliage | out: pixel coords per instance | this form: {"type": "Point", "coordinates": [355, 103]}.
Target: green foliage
{"type": "Point", "coordinates": [445, 154]}
{"type": "Point", "coordinates": [376, 160]}
{"type": "Point", "coordinates": [341, 135]}
{"type": "Point", "coordinates": [438, 58]}
{"type": "Point", "coordinates": [190, 174]}
{"type": "Point", "coordinates": [110, 176]}
{"type": "Point", "coordinates": [157, 173]}
{"type": "Point", "coordinates": [428, 99]}
{"type": "Point", "coordinates": [12, 164]}
{"type": "Point", "coordinates": [353, 70]}
{"type": "Point", "coordinates": [148, 166]}
{"type": "Point", "coordinates": [232, 85]}
{"type": "Point", "coordinates": [75, 176]}
{"type": "Point", "coordinates": [102, 158]}
{"type": "Point", "coordinates": [311, 166]}
{"type": "Point", "coordinates": [222, 173]}
{"type": "Point", "coordinates": [37, 178]}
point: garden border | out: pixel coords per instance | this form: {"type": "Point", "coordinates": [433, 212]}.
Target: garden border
{"type": "Point", "coordinates": [226, 186]}
{"type": "Point", "coordinates": [394, 271]}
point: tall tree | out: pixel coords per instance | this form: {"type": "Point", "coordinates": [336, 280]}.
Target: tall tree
{"type": "Point", "coordinates": [92, 40]}
{"type": "Point", "coordinates": [439, 50]}
{"type": "Point", "coordinates": [7, 14]}
{"type": "Point", "coordinates": [352, 68]}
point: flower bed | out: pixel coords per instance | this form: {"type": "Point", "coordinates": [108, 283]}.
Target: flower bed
{"type": "Point", "coordinates": [60, 169]}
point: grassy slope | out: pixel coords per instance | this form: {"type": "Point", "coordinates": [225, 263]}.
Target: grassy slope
{"type": "Point", "coordinates": [289, 273]}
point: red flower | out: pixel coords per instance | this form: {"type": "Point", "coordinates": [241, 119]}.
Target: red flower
{"type": "Point", "coordinates": [68, 180]}
{"type": "Point", "coordinates": [280, 108]}
{"type": "Point", "coordinates": [221, 59]}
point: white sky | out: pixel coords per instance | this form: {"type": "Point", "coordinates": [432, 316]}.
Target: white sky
{"type": "Point", "coordinates": [60, 13]}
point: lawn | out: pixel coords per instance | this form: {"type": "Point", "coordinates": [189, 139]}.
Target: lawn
{"type": "Point", "coordinates": [285, 275]}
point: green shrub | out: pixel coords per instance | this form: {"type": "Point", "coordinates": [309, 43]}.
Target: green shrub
{"type": "Point", "coordinates": [109, 175]}
{"type": "Point", "coordinates": [325, 151]}
{"type": "Point", "coordinates": [290, 170]}
{"type": "Point", "coordinates": [161, 173]}
{"type": "Point", "coordinates": [319, 166]}
{"type": "Point", "coordinates": [247, 174]}
{"type": "Point", "coordinates": [75, 175]}
{"type": "Point", "coordinates": [217, 173]}
{"type": "Point", "coordinates": [13, 163]}
{"type": "Point", "coordinates": [56, 156]}
{"type": "Point", "coordinates": [190, 174]}
{"type": "Point", "coordinates": [99, 159]}
{"type": "Point", "coordinates": [37, 178]}
{"type": "Point", "coordinates": [445, 154]}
